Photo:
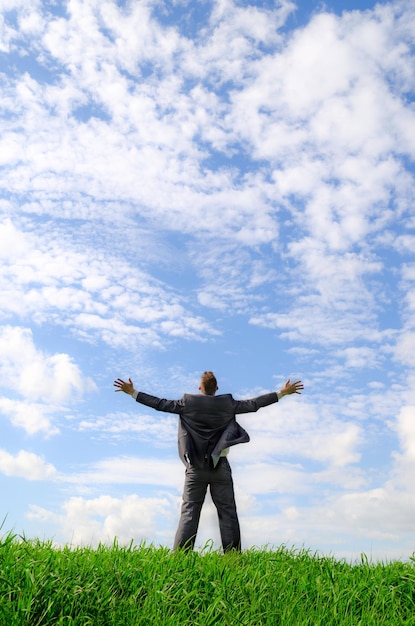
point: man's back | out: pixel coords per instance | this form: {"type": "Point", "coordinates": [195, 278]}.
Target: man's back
{"type": "Point", "coordinates": [207, 413]}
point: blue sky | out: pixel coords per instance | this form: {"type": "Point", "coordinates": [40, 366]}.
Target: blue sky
{"type": "Point", "coordinates": [216, 185]}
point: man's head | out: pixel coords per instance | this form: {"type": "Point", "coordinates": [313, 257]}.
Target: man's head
{"type": "Point", "coordinates": [208, 384]}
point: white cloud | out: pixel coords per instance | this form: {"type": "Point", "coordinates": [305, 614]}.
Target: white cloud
{"type": "Point", "coordinates": [147, 428]}
{"type": "Point", "coordinates": [362, 357]}
{"type": "Point", "coordinates": [405, 348]}
{"type": "Point", "coordinates": [404, 460]}
{"type": "Point", "coordinates": [302, 431]}
{"type": "Point", "coordinates": [35, 374]}
{"type": "Point", "coordinates": [101, 520]}
{"type": "Point", "coordinates": [26, 465]}
{"type": "Point", "coordinates": [33, 417]}
{"type": "Point", "coordinates": [46, 382]}
{"type": "Point", "coordinates": [131, 470]}
{"type": "Point", "coordinates": [13, 243]}
{"type": "Point", "coordinates": [406, 431]}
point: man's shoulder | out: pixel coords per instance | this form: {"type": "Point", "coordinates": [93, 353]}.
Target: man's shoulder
{"type": "Point", "coordinates": [199, 397]}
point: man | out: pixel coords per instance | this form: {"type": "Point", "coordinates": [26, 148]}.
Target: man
{"type": "Point", "coordinates": [207, 429]}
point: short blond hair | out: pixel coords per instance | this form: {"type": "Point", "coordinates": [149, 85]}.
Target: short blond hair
{"type": "Point", "coordinates": [208, 383]}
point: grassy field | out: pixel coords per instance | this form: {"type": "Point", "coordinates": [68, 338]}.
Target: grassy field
{"type": "Point", "coordinates": [41, 585]}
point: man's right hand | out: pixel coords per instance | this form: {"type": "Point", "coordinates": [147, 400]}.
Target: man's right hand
{"type": "Point", "coordinates": [290, 388]}
{"type": "Point", "coordinates": [122, 385]}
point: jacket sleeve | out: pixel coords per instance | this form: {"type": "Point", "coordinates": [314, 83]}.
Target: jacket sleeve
{"type": "Point", "coordinates": [252, 405]}
{"type": "Point", "coordinates": [160, 404]}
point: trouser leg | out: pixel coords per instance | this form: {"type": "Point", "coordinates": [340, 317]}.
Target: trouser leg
{"type": "Point", "coordinates": [194, 493]}
{"type": "Point", "coordinates": [223, 496]}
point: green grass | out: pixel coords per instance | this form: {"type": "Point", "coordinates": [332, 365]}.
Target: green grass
{"type": "Point", "coordinates": [41, 585]}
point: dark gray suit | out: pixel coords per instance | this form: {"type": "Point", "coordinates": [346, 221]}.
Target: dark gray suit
{"type": "Point", "coordinates": [207, 426]}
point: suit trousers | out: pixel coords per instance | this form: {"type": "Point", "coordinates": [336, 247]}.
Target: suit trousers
{"type": "Point", "coordinates": [197, 480]}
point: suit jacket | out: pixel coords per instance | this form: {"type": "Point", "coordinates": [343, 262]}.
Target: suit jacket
{"type": "Point", "coordinates": [207, 424]}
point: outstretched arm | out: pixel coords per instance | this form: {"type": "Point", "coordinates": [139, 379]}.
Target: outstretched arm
{"type": "Point", "coordinates": [122, 385]}
{"type": "Point", "coordinates": [290, 388]}
{"type": "Point", "coordinates": [253, 404]}
{"type": "Point", "coordinates": [159, 404]}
